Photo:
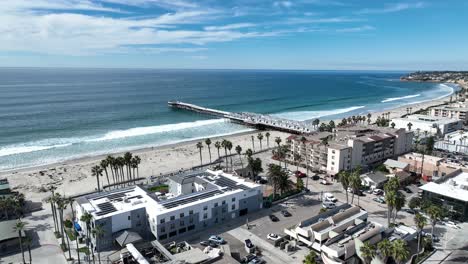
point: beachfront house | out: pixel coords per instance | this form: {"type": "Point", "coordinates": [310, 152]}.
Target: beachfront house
{"type": "Point", "coordinates": [434, 125]}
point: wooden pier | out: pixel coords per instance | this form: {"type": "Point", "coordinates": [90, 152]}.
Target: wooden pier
{"type": "Point", "coordinates": [259, 121]}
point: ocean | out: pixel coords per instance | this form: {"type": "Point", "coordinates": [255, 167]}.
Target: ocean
{"type": "Point", "coordinates": [49, 115]}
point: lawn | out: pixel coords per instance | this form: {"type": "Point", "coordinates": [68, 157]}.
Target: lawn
{"type": "Point", "coordinates": [160, 188]}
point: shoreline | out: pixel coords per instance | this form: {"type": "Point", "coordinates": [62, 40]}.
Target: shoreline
{"type": "Point", "coordinates": [74, 175]}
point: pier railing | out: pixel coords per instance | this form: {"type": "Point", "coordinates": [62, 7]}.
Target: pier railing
{"type": "Point", "coordinates": [250, 119]}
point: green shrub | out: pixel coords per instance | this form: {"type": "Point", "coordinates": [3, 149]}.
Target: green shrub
{"type": "Point", "coordinates": [68, 223]}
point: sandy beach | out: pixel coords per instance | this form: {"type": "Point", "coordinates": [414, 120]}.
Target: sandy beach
{"type": "Point", "coordinates": [74, 176]}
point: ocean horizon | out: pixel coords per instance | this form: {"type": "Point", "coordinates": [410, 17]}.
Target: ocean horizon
{"type": "Point", "coordinates": [50, 115]}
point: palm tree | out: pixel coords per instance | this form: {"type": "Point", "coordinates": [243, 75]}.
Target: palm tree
{"type": "Point", "coordinates": [134, 165]}
{"type": "Point", "coordinates": [278, 141]}
{"type": "Point", "coordinates": [260, 138]}
{"type": "Point", "coordinates": [400, 251]}
{"type": "Point", "coordinates": [409, 125]}
{"type": "Point", "coordinates": [297, 158]}
{"type": "Point", "coordinates": [390, 199]}
{"type": "Point", "coordinates": [218, 146]}
{"type": "Point", "coordinates": [51, 200]}
{"type": "Point", "coordinates": [87, 217]}
{"type": "Point", "coordinates": [208, 143]}
{"type": "Point", "coordinates": [253, 142]}
{"type": "Point", "coordinates": [283, 182]}
{"type": "Point", "coordinates": [97, 172]}
{"type": "Point", "coordinates": [267, 135]}
{"type": "Point", "coordinates": [435, 213]}
{"type": "Point", "coordinates": [98, 233]}
{"type": "Point", "coordinates": [420, 222]}
{"type": "Point", "coordinates": [61, 206]}
{"type": "Point", "coordinates": [368, 252]}
{"type": "Point", "coordinates": [274, 172]}
{"type": "Point", "coordinates": [249, 153]}
{"type": "Point", "coordinates": [19, 227]}
{"type": "Point", "coordinates": [110, 163]}
{"type": "Point", "coordinates": [355, 183]}
{"type": "Point", "coordinates": [70, 201]}
{"type": "Point", "coordinates": [137, 161]}
{"type": "Point", "coordinates": [385, 249]}
{"type": "Point", "coordinates": [200, 146]}
{"type": "Point", "coordinates": [120, 162]}
{"type": "Point", "coordinates": [28, 242]}
{"type": "Point", "coordinates": [392, 125]}
{"type": "Point", "coordinates": [400, 200]}
{"type": "Point", "coordinates": [128, 161]}
{"type": "Point", "coordinates": [229, 147]}
{"type": "Point", "coordinates": [345, 181]}
{"type": "Point", "coordinates": [224, 144]}
{"type": "Point", "coordinates": [239, 151]}
{"type": "Point", "coordinates": [104, 164]}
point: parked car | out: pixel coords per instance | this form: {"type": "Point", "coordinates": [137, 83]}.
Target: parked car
{"type": "Point", "coordinates": [379, 200]}
{"type": "Point", "coordinates": [407, 190]}
{"type": "Point", "coordinates": [286, 213]}
{"type": "Point", "coordinates": [209, 243]}
{"type": "Point", "coordinates": [217, 239]}
{"type": "Point", "coordinates": [273, 218]}
{"type": "Point", "coordinates": [249, 246]}
{"type": "Point", "coordinates": [300, 174]}
{"type": "Point", "coordinates": [377, 191]}
{"type": "Point", "coordinates": [257, 260]}
{"type": "Point", "coordinates": [248, 258]}
{"type": "Point", "coordinates": [273, 236]}
{"type": "Point", "coordinates": [328, 205]}
{"type": "Point", "coordinates": [409, 211]}
{"type": "Point", "coordinates": [329, 197]}
{"type": "Point", "coordinates": [315, 177]}
{"type": "Point", "coordinates": [324, 182]}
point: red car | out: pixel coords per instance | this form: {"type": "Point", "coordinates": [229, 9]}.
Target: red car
{"type": "Point", "coordinates": [300, 174]}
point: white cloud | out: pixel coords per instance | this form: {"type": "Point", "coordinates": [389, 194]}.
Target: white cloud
{"type": "Point", "coordinates": [313, 20]}
{"type": "Point", "coordinates": [391, 8]}
{"type": "Point", "coordinates": [230, 26]}
{"type": "Point", "coordinates": [42, 5]}
{"type": "Point", "coordinates": [286, 4]}
{"type": "Point", "coordinates": [356, 29]}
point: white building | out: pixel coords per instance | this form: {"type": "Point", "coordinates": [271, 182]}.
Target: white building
{"type": "Point", "coordinates": [434, 125]}
{"type": "Point", "coordinates": [456, 111]}
{"type": "Point", "coordinates": [201, 199]}
{"type": "Point", "coordinates": [454, 142]}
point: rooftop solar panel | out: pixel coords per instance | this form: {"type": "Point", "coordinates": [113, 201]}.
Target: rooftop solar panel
{"type": "Point", "coordinates": [171, 203]}
{"type": "Point", "coordinates": [105, 208]}
{"type": "Point", "coordinates": [226, 182]}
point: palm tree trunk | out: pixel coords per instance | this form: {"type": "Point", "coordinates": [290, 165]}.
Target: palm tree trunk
{"type": "Point", "coordinates": [225, 155]}
{"type": "Point", "coordinates": [352, 197]}
{"type": "Point", "coordinates": [69, 250]}
{"type": "Point", "coordinates": [347, 196]}
{"type": "Point", "coordinates": [242, 163]}
{"type": "Point", "coordinates": [113, 176]}
{"type": "Point", "coordinates": [107, 176]}
{"type": "Point", "coordinates": [201, 160]}
{"type": "Point", "coordinates": [21, 244]}
{"type": "Point", "coordinates": [209, 152]}
{"type": "Point", "coordinates": [29, 253]}
{"type": "Point", "coordinates": [53, 215]}
{"type": "Point", "coordinates": [61, 227]}
{"type": "Point", "coordinates": [219, 156]}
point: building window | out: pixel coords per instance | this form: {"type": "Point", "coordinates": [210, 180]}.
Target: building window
{"type": "Point", "coordinates": [173, 233]}
{"type": "Point", "coordinates": [191, 220]}
{"type": "Point", "coordinates": [216, 205]}
{"type": "Point", "coordinates": [162, 237]}
{"type": "Point", "coordinates": [172, 217]}
{"type": "Point", "coordinates": [233, 199]}
{"type": "Point", "coordinates": [182, 223]}
{"type": "Point", "coordinates": [129, 218]}
{"type": "Point", "coordinates": [182, 230]}
{"type": "Point", "coordinates": [233, 207]}
{"type": "Point", "coordinates": [223, 203]}
{"type": "Point", "coordinates": [205, 216]}
{"type": "Point", "coordinates": [190, 227]}
{"type": "Point", "coordinates": [181, 215]}
{"type": "Point", "coordinates": [205, 207]}
{"type": "Point", "coordinates": [190, 212]}
{"type": "Point", "coordinates": [172, 226]}
{"type": "Point", "coordinates": [224, 210]}
{"type": "Point", "coordinates": [162, 221]}
{"type": "Point", "coordinates": [163, 229]}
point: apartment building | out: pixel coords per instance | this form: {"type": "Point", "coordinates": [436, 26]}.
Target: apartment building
{"type": "Point", "coordinates": [456, 141]}
{"type": "Point", "coordinates": [435, 125]}
{"type": "Point", "coordinates": [196, 200]}
{"type": "Point", "coordinates": [348, 148]}
{"type": "Point", "coordinates": [454, 111]}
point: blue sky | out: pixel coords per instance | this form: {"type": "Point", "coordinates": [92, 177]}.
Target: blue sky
{"type": "Point", "coordinates": [235, 34]}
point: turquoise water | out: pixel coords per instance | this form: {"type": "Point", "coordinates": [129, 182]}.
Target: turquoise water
{"type": "Point", "coordinates": [51, 115]}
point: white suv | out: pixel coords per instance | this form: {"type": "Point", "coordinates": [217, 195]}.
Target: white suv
{"type": "Point", "coordinates": [329, 197]}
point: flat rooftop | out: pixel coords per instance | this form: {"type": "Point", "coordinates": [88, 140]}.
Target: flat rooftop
{"type": "Point", "coordinates": [216, 183]}
{"type": "Point", "coordinates": [428, 119]}
{"type": "Point", "coordinates": [455, 188]}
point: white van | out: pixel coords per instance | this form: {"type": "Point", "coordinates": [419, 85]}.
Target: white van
{"type": "Point", "coordinates": [328, 205]}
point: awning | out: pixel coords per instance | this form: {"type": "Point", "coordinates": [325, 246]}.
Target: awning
{"type": "Point", "coordinates": [77, 226]}
{"type": "Point", "coordinates": [127, 237]}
